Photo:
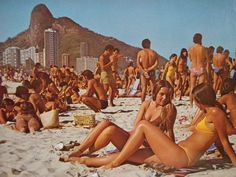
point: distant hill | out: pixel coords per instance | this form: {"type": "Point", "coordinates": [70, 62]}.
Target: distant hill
{"type": "Point", "coordinates": [70, 36]}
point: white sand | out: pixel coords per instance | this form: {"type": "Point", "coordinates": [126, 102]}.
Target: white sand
{"type": "Point", "coordinates": [27, 155]}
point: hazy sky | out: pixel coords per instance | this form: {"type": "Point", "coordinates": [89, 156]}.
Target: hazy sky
{"type": "Point", "coordinates": [169, 24]}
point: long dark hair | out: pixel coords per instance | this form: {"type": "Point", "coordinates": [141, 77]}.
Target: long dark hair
{"type": "Point", "coordinates": [205, 94]}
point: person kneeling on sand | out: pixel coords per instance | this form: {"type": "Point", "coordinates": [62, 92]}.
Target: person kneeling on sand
{"type": "Point", "coordinates": [159, 111]}
{"type": "Point", "coordinates": [94, 87]}
{"type": "Point", "coordinates": [187, 152]}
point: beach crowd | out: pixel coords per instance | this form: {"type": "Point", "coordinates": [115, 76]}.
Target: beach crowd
{"type": "Point", "coordinates": [209, 83]}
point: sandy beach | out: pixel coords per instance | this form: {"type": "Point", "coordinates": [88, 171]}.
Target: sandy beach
{"type": "Point", "coordinates": [36, 155]}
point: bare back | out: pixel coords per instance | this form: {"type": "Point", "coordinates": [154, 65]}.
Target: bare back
{"type": "Point", "coordinates": [94, 87]}
{"type": "Point", "coordinates": [219, 60]}
{"type": "Point", "coordinates": [147, 58]}
{"type": "Point", "coordinates": [198, 56]}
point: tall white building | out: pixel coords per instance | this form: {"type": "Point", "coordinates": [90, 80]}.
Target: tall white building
{"type": "Point", "coordinates": [26, 54]}
{"type": "Point", "coordinates": [51, 46]}
{"type": "Point", "coordinates": [84, 49]}
{"type": "Point", "coordinates": [11, 56]}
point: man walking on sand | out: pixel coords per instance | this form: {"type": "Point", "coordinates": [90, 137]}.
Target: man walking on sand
{"type": "Point", "coordinates": [198, 57]}
{"type": "Point", "coordinates": [147, 62]}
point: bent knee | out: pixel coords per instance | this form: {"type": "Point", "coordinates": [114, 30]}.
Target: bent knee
{"type": "Point", "coordinates": [144, 124]}
{"type": "Point", "coordinates": [106, 122]}
{"type": "Point", "coordinates": [109, 131]}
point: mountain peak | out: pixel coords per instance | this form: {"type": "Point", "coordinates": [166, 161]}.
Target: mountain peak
{"type": "Point", "coordinates": [41, 19]}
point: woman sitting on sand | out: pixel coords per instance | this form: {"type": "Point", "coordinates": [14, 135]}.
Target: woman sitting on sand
{"type": "Point", "coordinates": [159, 112]}
{"type": "Point", "coordinates": [26, 118]}
{"type": "Point", "coordinates": [187, 152]}
{"type": "Point", "coordinates": [6, 110]}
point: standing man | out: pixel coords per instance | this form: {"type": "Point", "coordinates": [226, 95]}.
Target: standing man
{"type": "Point", "coordinates": [198, 56]}
{"type": "Point", "coordinates": [147, 62]}
{"type": "Point", "coordinates": [219, 62]}
{"type": "Point", "coordinates": [107, 79]}
{"type": "Point", "coordinates": [114, 67]}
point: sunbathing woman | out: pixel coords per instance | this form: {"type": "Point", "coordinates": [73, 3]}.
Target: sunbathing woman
{"type": "Point", "coordinates": [187, 152]}
{"type": "Point", "coordinates": [159, 112]}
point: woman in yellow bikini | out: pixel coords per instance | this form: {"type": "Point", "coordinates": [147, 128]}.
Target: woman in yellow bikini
{"type": "Point", "coordinates": [187, 152]}
{"type": "Point", "coordinates": [170, 70]}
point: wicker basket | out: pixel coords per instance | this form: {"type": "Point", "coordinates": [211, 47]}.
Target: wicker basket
{"type": "Point", "coordinates": [85, 120]}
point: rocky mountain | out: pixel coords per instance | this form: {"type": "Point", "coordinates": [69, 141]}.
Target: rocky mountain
{"type": "Point", "coordinates": [70, 36]}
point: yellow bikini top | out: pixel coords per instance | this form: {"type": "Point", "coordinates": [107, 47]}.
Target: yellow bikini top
{"type": "Point", "coordinates": [205, 127]}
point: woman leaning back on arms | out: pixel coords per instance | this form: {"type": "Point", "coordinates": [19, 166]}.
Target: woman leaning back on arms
{"type": "Point", "coordinates": [187, 152]}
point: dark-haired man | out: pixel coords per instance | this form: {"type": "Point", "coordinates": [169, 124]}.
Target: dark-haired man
{"type": "Point", "coordinates": [147, 62]}
{"type": "Point", "coordinates": [105, 63]}
{"type": "Point", "coordinates": [94, 87]}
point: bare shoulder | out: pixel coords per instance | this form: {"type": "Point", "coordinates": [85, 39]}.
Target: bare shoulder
{"type": "Point", "coordinates": [216, 113]}
{"type": "Point", "coordinates": [145, 104]}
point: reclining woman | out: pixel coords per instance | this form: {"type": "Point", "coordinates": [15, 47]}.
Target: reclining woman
{"type": "Point", "coordinates": [187, 152]}
{"type": "Point", "coordinates": [159, 112]}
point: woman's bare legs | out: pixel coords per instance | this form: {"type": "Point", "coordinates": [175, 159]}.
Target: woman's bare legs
{"type": "Point", "coordinates": [141, 156]}
{"type": "Point", "coordinates": [100, 136]}
{"type": "Point", "coordinates": [166, 150]}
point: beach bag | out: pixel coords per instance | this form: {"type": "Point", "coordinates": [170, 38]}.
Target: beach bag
{"type": "Point", "coordinates": [85, 120]}
{"type": "Point", "coordinates": [50, 119]}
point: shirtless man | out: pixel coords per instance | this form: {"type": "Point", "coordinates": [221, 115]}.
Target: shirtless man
{"type": "Point", "coordinates": [228, 64]}
{"type": "Point", "coordinates": [94, 87]}
{"type": "Point", "coordinates": [147, 61]}
{"type": "Point", "coordinates": [35, 98]}
{"type": "Point", "coordinates": [219, 61]}
{"type": "Point", "coordinates": [114, 67]}
{"type": "Point", "coordinates": [54, 74]}
{"type": "Point", "coordinates": [198, 57]}
{"type": "Point", "coordinates": [105, 62]}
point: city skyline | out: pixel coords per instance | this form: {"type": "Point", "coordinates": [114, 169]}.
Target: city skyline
{"type": "Point", "coordinates": [170, 25]}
